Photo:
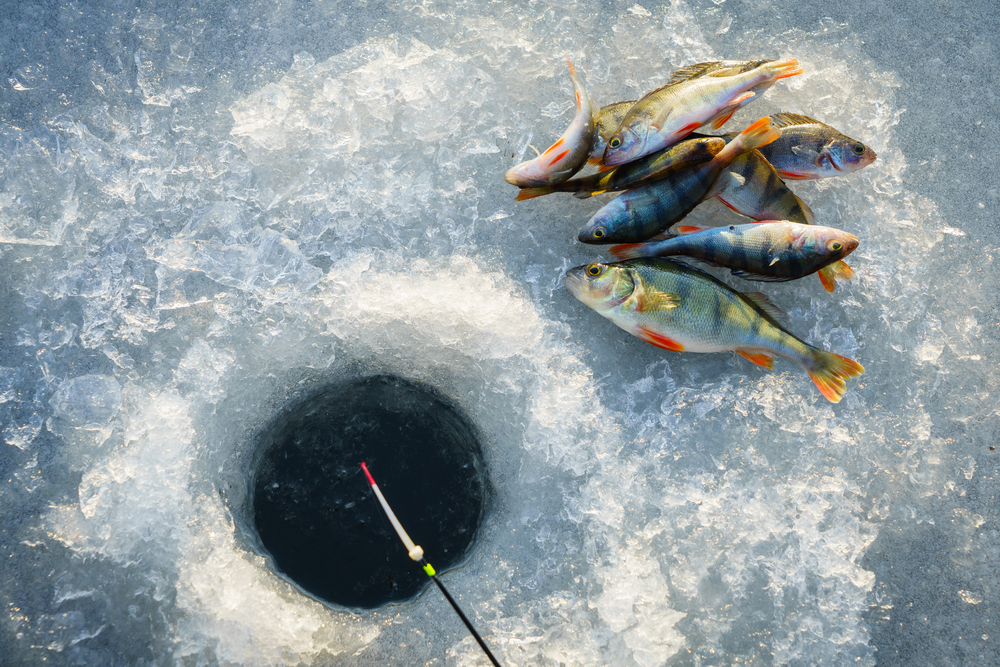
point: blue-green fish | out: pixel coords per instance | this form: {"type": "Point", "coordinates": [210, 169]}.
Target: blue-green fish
{"type": "Point", "coordinates": [773, 251]}
{"type": "Point", "coordinates": [679, 308]}
{"type": "Point", "coordinates": [647, 210]}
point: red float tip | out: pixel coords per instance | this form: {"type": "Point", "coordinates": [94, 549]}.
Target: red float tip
{"type": "Point", "coordinates": [367, 474]}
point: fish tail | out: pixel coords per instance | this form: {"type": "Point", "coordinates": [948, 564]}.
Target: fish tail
{"type": "Point", "coordinates": [760, 133]}
{"type": "Point", "coordinates": [531, 193]}
{"type": "Point", "coordinates": [628, 250]}
{"type": "Point", "coordinates": [830, 371]}
{"type": "Point", "coordinates": [829, 274]}
{"type": "Point", "coordinates": [783, 69]}
{"type": "Point", "coordinates": [577, 86]}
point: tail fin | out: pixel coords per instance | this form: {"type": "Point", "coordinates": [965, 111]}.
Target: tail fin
{"type": "Point", "coordinates": [628, 250]}
{"type": "Point", "coordinates": [783, 69]}
{"type": "Point", "coordinates": [531, 193]}
{"type": "Point", "coordinates": [830, 371]}
{"type": "Point", "coordinates": [760, 133]}
{"type": "Point", "coordinates": [829, 274]}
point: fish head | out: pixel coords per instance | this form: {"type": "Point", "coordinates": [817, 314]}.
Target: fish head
{"type": "Point", "coordinates": [849, 155]}
{"type": "Point", "coordinates": [628, 143]}
{"type": "Point", "coordinates": [527, 175]}
{"type": "Point", "coordinates": [825, 242]}
{"type": "Point", "coordinates": [600, 286]}
{"type": "Point", "coordinates": [599, 229]}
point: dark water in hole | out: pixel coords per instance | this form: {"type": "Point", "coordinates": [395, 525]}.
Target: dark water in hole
{"type": "Point", "coordinates": [316, 514]}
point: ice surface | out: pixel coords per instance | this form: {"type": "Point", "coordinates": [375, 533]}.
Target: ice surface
{"type": "Point", "coordinates": [207, 211]}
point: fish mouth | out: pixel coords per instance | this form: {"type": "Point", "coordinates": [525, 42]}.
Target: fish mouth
{"type": "Point", "coordinates": [850, 243]}
{"type": "Point", "coordinates": [517, 176]}
{"type": "Point", "coordinates": [621, 155]}
{"type": "Point", "coordinates": [577, 284]}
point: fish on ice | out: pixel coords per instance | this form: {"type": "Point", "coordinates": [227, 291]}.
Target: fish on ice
{"type": "Point", "coordinates": [810, 149]}
{"type": "Point", "coordinates": [643, 212]}
{"type": "Point", "coordinates": [668, 114]}
{"type": "Point", "coordinates": [569, 153]}
{"type": "Point", "coordinates": [773, 251]}
{"type": "Point", "coordinates": [678, 308]}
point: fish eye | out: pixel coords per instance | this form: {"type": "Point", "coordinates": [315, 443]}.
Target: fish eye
{"type": "Point", "coordinates": [599, 233]}
{"type": "Point", "coordinates": [594, 269]}
{"type": "Point", "coordinates": [615, 142]}
{"type": "Point", "coordinates": [859, 148]}
{"type": "Point", "coordinates": [836, 245]}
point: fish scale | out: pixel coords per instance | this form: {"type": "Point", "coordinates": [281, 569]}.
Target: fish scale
{"type": "Point", "coordinates": [679, 308]}
{"type": "Point", "coordinates": [670, 113]}
{"type": "Point", "coordinates": [772, 251]}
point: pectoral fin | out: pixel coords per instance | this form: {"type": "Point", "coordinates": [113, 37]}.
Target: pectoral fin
{"type": "Point", "coordinates": [810, 155]}
{"type": "Point", "coordinates": [658, 340]}
{"type": "Point", "coordinates": [650, 301]}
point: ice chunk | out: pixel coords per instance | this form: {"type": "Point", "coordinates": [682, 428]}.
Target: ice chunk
{"type": "Point", "coordinates": [87, 401]}
{"type": "Point", "coordinates": [22, 435]}
{"type": "Point", "coordinates": [84, 408]}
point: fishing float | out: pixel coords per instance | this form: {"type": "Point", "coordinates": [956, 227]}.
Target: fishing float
{"type": "Point", "coordinates": [416, 553]}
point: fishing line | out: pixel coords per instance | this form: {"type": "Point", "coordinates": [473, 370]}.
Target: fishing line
{"type": "Point", "coordinates": [416, 553]}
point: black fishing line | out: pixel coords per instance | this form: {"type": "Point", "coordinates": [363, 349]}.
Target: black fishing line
{"type": "Point", "coordinates": [416, 553]}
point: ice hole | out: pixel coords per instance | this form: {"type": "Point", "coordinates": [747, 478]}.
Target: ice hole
{"type": "Point", "coordinates": [315, 514]}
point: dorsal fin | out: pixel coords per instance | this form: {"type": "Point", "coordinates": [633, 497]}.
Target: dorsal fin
{"type": "Point", "coordinates": [777, 315]}
{"type": "Point", "coordinates": [691, 72]}
{"type": "Point", "coordinates": [785, 119]}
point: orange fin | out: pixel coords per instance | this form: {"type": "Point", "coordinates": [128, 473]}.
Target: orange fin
{"type": "Point", "coordinates": [627, 250]}
{"type": "Point", "coordinates": [531, 193]}
{"type": "Point", "coordinates": [743, 98]}
{"type": "Point", "coordinates": [830, 372]}
{"type": "Point", "coordinates": [553, 146]}
{"type": "Point", "coordinates": [793, 72]}
{"type": "Point", "coordinates": [719, 197]}
{"type": "Point", "coordinates": [559, 157]}
{"type": "Point", "coordinates": [689, 229]}
{"type": "Point", "coordinates": [659, 340]}
{"type": "Point", "coordinates": [828, 275]}
{"type": "Point", "coordinates": [786, 68]}
{"type": "Point", "coordinates": [793, 175]}
{"type": "Point", "coordinates": [759, 358]}
{"type": "Point", "coordinates": [722, 120]}
{"type": "Point", "coordinates": [686, 130]}
{"type": "Point", "coordinates": [606, 167]}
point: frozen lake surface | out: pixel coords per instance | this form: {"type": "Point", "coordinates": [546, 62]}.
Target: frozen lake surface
{"type": "Point", "coordinates": [208, 210]}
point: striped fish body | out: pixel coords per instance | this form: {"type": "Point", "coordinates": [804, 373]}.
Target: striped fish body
{"type": "Point", "coordinates": [612, 115]}
{"type": "Point", "coordinates": [670, 113]}
{"type": "Point", "coordinates": [678, 308]}
{"type": "Point", "coordinates": [649, 209]}
{"type": "Point", "coordinates": [768, 251]}
{"type": "Point", "coordinates": [686, 154]}
{"type": "Point", "coordinates": [754, 189]}
{"type": "Point", "coordinates": [809, 149]}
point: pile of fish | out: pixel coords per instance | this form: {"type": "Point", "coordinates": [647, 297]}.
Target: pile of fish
{"type": "Point", "coordinates": [648, 150]}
